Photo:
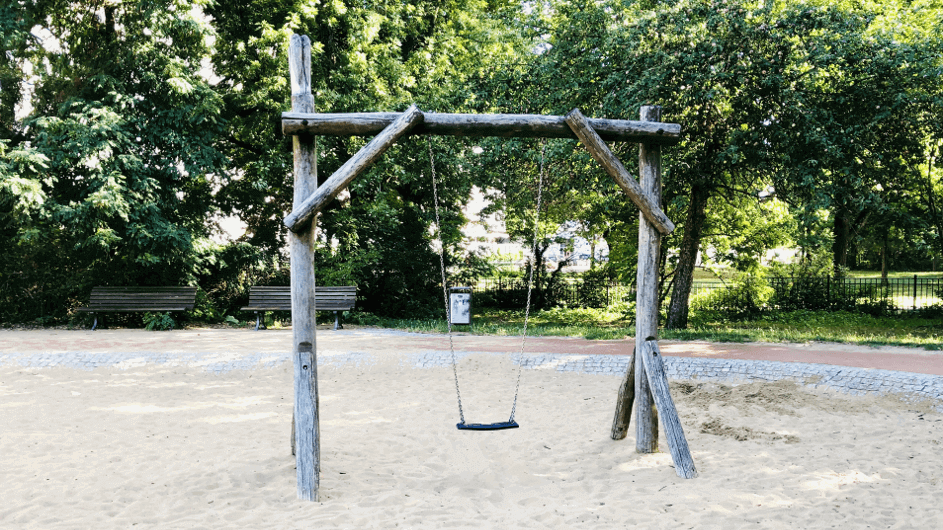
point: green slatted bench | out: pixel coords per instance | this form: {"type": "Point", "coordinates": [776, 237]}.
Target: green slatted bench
{"type": "Point", "coordinates": [278, 298]}
{"type": "Point", "coordinates": [139, 299]}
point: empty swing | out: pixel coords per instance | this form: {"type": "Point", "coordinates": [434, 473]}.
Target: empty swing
{"type": "Point", "coordinates": [510, 423]}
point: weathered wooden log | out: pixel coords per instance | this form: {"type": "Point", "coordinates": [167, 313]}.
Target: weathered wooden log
{"type": "Point", "coordinates": [620, 423]}
{"type": "Point", "coordinates": [505, 125]}
{"type": "Point", "coordinates": [674, 433]}
{"type": "Point", "coordinates": [357, 164]}
{"type": "Point", "coordinates": [646, 297]}
{"type": "Point", "coordinates": [601, 152]}
{"type": "Point", "coordinates": [305, 429]}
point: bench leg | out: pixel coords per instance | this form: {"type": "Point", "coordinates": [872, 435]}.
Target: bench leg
{"type": "Point", "coordinates": [94, 324]}
{"type": "Point", "coordinates": [337, 322]}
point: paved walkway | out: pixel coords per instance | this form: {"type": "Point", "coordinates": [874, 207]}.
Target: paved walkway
{"type": "Point", "coordinates": [851, 369]}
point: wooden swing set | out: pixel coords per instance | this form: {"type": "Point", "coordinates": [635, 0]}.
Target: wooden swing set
{"type": "Point", "coordinates": [645, 383]}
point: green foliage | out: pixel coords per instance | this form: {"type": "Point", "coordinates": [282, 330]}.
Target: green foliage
{"type": "Point", "coordinates": [739, 231]}
{"type": "Point", "coordinates": [860, 125]}
{"type": "Point", "coordinates": [748, 297]}
{"type": "Point", "coordinates": [113, 170]}
{"type": "Point", "coordinates": [225, 276]}
{"type": "Point", "coordinates": [366, 56]}
{"type": "Point", "coordinates": [764, 92]}
{"type": "Point", "coordinates": [129, 149]}
{"type": "Point", "coordinates": [158, 321]}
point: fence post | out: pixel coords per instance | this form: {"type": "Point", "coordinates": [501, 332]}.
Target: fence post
{"type": "Point", "coordinates": [915, 292]}
{"type": "Point", "coordinates": [828, 291]}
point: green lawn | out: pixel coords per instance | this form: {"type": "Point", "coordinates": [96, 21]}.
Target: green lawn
{"type": "Point", "coordinates": [901, 275]}
{"type": "Point", "coordinates": [701, 273]}
{"type": "Point", "coordinates": [796, 326]}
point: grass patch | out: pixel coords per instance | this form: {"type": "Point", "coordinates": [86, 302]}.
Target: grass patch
{"type": "Point", "coordinates": [896, 275]}
{"type": "Point", "coordinates": [600, 324]}
{"type": "Point", "coordinates": [594, 324]}
{"type": "Point", "coordinates": [819, 326]}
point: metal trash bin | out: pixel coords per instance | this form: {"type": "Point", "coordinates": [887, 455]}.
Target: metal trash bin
{"type": "Point", "coordinates": [460, 305]}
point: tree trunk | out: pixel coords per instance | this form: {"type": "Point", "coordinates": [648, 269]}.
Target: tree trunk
{"type": "Point", "coordinates": [931, 201]}
{"type": "Point", "coordinates": [539, 286]}
{"type": "Point", "coordinates": [884, 281]}
{"type": "Point", "coordinates": [853, 252]}
{"type": "Point", "coordinates": [690, 246]}
{"type": "Point", "coordinates": [841, 231]}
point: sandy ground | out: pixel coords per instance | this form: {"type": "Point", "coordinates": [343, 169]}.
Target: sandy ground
{"type": "Point", "coordinates": [178, 447]}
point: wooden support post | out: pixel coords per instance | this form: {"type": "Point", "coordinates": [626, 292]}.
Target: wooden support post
{"type": "Point", "coordinates": [601, 152]}
{"type": "Point", "coordinates": [674, 434]}
{"type": "Point", "coordinates": [305, 429]}
{"type": "Point", "coordinates": [646, 298]}
{"type": "Point", "coordinates": [357, 164]}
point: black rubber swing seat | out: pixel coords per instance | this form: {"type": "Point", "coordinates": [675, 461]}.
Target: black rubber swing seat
{"type": "Point", "coordinates": [488, 426]}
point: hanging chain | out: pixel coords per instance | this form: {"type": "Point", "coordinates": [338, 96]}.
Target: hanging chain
{"type": "Point", "coordinates": [445, 295]}
{"type": "Point", "coordinates": [530, 280]}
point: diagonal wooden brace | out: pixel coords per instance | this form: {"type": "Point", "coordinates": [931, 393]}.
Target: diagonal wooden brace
{"type": "Point", "coordinates": [298, 220]}
{"type": "Point", "coordinates": [658, 381]}
{"type": "Point", "coordinates": [600, 151]}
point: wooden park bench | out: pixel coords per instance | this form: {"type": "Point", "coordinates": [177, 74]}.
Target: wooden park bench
{"type": "Point", "coordinates": [135, 299]}
{"type": "Point", "coordinates": [278, 298]}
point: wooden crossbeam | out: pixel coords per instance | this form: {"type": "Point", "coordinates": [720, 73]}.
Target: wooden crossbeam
{"type": "Point", "coordinates": [471, 124]}
{"type": "Point", "coordinates": [504, 125]}
{"type": "Point", "coordinates": [299, 218]}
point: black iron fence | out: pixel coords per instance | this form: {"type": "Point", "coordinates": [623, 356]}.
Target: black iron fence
{"type": "Point", "coordinates": [825, 292]}
{"type": "Point", "coordinates": [787, 293]}
{"type": "Point", "coordinates": [905, 294]}
{"type": "Point", "coordinates": [512, 293]}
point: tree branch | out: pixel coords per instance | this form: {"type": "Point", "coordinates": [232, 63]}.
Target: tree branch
{"type": "Point", "coordinates": [245, 145]}
{"type": "Point", "coordinates": [735, 190]}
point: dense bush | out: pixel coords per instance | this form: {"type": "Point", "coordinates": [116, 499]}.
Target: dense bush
{"type": "Point", "coordinates": [747, 297]}
{"type": "Point", "coordinates": [801, 292]}
{"type": "Point", "coordinates": [823, 292]}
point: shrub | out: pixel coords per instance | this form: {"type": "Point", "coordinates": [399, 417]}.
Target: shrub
{"type": "Point", "coordinates": [158, 321]}
{"type": "Point", "coordinates": [747, 297]}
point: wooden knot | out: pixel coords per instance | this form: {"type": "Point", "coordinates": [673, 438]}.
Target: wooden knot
{"type": "Point", "coordinates": [305, 124]}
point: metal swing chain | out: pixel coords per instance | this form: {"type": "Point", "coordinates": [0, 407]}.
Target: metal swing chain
{"type": "Point", "coordinates": [530, 280]}
{"type": "Point", "coordinates": [445, 296]}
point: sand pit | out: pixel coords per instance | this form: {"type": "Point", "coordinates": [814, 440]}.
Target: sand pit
{"type": "Point", "coordinates": [178, 447]}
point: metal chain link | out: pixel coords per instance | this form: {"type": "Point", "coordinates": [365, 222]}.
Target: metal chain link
{"type": "Point", "coordinates": [530, 280]}
{"type": "Point", "coordinates": [445, 295]}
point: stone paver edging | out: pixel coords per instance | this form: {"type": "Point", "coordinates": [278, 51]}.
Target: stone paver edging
{"type": "Point", "coordinates": [854, 381]}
